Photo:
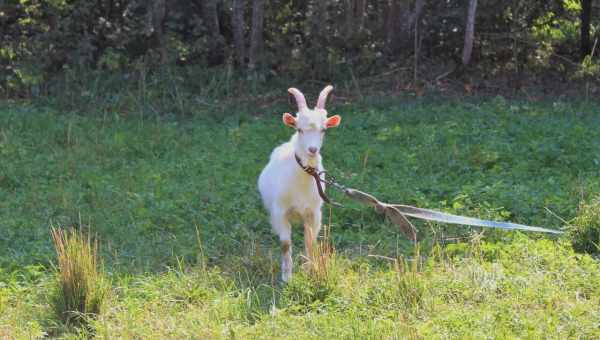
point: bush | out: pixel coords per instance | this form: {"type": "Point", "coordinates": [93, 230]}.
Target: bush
{"type": "Point", "coordinates": [585, 232]}
{"type": "Point", "coordinates": [82, 289]}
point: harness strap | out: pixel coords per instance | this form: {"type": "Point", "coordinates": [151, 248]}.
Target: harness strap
{"type": "Point", "coordinates": [397, 212]}
{"type": "Point", "coordinates": [315, 174]}
{"type": "Point", "coordinates": [437, 216]}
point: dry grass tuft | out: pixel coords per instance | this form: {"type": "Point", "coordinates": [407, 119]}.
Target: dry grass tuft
{"type": "Point", "coordinates": [323, 257]}
{"type": "Point", "coordinates": [82, 288]}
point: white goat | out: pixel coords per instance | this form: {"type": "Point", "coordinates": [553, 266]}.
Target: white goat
{"type": "Point", "coordinates": [286, 189]}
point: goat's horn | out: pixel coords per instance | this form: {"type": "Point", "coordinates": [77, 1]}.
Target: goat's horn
{"type": "Point", "coordinates": [300, 100]}
{"type": "Point", "coordinates": [323, 97]}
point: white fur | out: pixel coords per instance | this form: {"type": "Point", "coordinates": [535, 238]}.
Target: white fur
{"type": "Point", "coordinates": [288, 191]}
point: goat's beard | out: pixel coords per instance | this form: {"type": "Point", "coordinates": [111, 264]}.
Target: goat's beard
{"type": "Point", "coordinates": [312, 161]}
{"type": "Point", "coordinates": [308, 160]}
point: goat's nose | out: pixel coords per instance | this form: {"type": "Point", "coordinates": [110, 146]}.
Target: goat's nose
{"type": "Point", "coordinates": [312, 150]}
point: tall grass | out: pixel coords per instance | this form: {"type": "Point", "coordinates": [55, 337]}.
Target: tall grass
{"type": "Point", "coordinates": [82, 288]}
{"type": "Point", "coordinates": [411, 283]}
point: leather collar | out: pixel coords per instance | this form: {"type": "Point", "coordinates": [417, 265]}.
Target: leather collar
{"type": "Point", "coordinates": [315, 174]}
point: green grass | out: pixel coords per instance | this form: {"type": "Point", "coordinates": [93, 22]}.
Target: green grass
{"type": "Point", "coordinates": [188, 248]}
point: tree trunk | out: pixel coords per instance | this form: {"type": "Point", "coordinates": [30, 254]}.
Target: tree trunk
{"type": "Point", "coordinates": [409, 19]}
{"type": "Point", "coordinates": [401, 23]}
{"type": "Point", "coordinates": [157, 15]}
{"type": "Point", "coordinates": [237, 22]}
{"type": "Point", "coordinates": [586, 9]}
{"type": "Point", "coordinates": [217, 44]}
{"type": "Point", "coordinates": [469, 33]}
{"type": "Point", "coordinates": [210, 16]}
{"type": "Point", "coordinates": [361, 7]}
{"type": "Point", "coordinates": [256, 34]}
{"type": "Point", "coordinates": [349, 22]}
{"type": "Point", "coordinates": [419, 4]}
{"type": "Point", "coordinates": [322, 13]}
{"type": "Point", "coordinates": [393, 10]}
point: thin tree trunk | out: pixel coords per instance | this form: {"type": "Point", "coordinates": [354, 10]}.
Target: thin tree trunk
{"type": "Point", "coordinates": [349, 22]}
{"type": "Point", "coordinates": [237, 22]}
{"type": "Point", "coordinates": [361, 7]}
{"type": "Point", "coordinates": [417, 43]}
{"type": "Point", "coordinates": [322, 13]}
{"type": "Point", "coordinates": [158, 13]}
{"type": "Point", "coordinates": [416, 51]}
{"type": "Point", "coordinates": [211, 17]}
{"type": "Point", "coordinates": [469, 33]}
{"type": "Point", "coordinates": [318, 29]}
{"type": "Point", "coordinates": [586, 9]}
{"type": "Point", "coordinates": [390, 19]}
{"type": "Point", "coordinates": [419, 4]}
{"type": "Point", "coordinates": [401, 23]}
{"type": "Point", "coordinates": [391, 23]}
{"type": "Point", "coordinates": [409, 19]}
{"type": "Point", "coordinates": [256, 34]}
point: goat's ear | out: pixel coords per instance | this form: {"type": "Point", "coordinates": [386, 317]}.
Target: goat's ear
{"type": "Point", "coordinates": [333, 121]}
{"type": "Point", "coordinates": [289, 120]}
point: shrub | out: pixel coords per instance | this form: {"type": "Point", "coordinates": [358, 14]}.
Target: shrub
{"type": "Point", "coordinates": [81, 289]}
{"type": "Point", "coordinates": [585, 229]}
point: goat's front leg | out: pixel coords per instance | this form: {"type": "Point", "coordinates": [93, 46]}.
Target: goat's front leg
{"type": "Point", "coordinates": [283, 228]}
{"type": "Point", "coordinates": [312, 226]}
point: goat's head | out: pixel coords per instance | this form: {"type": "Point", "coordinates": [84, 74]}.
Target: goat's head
{"type": "Point", "coordinates": [310, 124]}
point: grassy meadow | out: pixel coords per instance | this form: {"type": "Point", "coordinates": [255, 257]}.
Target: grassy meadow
{"type": "Point", "coordinates": [188, 253]}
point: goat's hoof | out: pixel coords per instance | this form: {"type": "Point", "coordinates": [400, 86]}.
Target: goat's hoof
{"type": "Point", "coordinates": [286, 275]}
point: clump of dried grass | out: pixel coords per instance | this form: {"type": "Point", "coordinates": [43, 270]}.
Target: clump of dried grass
{"type": "Point", "coordinates": [82, 288]}
{"type": "Point", "coordinates": [323, 258]}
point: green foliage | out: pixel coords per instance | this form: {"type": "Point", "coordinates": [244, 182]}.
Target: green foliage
{"type": "Point", "coordinates": [589, 68]}
{"type": "Point", "coordinates": [82, 289]}
{"type": "Point", "coordinates": [316, 40]}
{"type": "Point", "coordinates": [585, 232]}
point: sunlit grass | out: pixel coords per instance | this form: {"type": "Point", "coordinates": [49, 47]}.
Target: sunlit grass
{"type": "Point", "coordinates": [188, 247]}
